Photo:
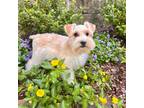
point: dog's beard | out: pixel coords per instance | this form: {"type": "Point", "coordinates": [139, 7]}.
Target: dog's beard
{"type": "Point", "coordinates": [80, 50]}
{"type": "Point", "coordinates": [84, 50]}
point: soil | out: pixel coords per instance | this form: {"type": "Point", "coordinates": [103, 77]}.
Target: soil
{"type": "Point", "coordinates": [118, 78]}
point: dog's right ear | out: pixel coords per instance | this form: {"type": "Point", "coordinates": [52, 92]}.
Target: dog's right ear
{"type": "Point", "coordinates": [69, 28]}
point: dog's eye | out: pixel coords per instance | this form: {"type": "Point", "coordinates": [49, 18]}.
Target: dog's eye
{"type": "Point", "coordinates": [87, 33]}
{"type": "Point", "coordinates": [76, 34]}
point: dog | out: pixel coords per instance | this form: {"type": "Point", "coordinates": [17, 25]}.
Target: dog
{"type": "Point", "coordinates": [74, 48]}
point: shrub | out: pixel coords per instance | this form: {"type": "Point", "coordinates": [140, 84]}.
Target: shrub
{"type": "Point", "coordinates": [114, 13]}
{"type": "Point", "coordinates": [37, 16]}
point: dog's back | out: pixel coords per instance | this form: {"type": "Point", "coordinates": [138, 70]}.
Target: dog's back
{"type": "Point", "coordinates": [47, 39]}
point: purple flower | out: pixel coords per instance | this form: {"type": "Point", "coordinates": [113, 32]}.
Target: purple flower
{"type": "Point", "coordinates": [83, 58]}
{"type": "Point", "coordinates": [28, 56]}
{"type": "Point", "coordinates": [25, 43]}
{"type": "Point", "coordinates": [94, 57]}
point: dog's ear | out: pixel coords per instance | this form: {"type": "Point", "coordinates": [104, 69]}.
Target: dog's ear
{"type": "Point", "coordinates": [91, 26]}
{"type": "Point", "coordinates": [69, 28]}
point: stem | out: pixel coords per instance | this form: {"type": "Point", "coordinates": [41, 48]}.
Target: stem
{"type": "Point", "coordinates": [103, 106]}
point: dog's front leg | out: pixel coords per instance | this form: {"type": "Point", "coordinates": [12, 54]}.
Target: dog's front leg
{"type": "Point", "coordinates": [68, 76]}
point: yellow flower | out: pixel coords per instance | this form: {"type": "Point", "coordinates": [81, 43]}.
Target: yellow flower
{"type": "Point", "coordinates": [40, 93]}
{"type": "Point", "coordinates": [54, 62]}
{"type": "Point", "coordinates": [103, 100]}
{"type": "Point", "coordinates": [85, 77]}
{"type": "Point", "coordinates": [30, 87]}
{"type": "Point", "coordinates": [63, 66]}
{"type": "Point", "coordinates": [114, 100]}
{"type": "Point", "coordinates": [103, 80]}
{"type": "Point", "coordinates": [102, 72]}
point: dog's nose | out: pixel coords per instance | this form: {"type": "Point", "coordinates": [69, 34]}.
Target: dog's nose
{"type": "Point", "coordinates": [83, 43]}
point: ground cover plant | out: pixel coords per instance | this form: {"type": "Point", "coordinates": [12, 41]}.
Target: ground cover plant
{"type": "Point", "coordinates": [99, 84]}
{"type": "Point", "coordinates": [114, 13]}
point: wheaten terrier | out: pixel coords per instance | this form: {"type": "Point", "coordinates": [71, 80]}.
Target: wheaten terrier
{"type": "Point", "coordinates": [73, 48]}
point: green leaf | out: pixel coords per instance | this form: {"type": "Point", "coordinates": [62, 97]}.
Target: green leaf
{"type": "Point", "coordinates": [21, 77]}
{"type": "Point", "coordinates": [46, 65]}
{"type": "Point", "coordinates": [38, 82]}
{"type": "Point", "coordinates": [76, 90]}
{"type": "Point", "coordinates": [63, 104]}
{"type": "Point", "coordinates": [120, 103]}
{"type": "Point", "coordinates": [98, 105]}
{"type": "Point", "coordinates": [51, 106]}
{"type": "Point", "coordinates": [77, 98]}
{"type": "Point", "coordinates": [34, 104]}
{"type": "Point", "coordinates": [84, 103]}
{"type": "Point", "coordinates": [53, 91]}
{"type": "Point", "coordinates": [53, 76]}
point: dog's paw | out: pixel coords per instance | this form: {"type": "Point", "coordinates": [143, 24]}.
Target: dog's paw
{"type": "Point", "coordinates": [71, 82]}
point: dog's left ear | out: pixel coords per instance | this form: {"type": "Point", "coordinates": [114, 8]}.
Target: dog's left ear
{"type": "Point", "coordinates": [91, 26]}
{"type": "Point", "coordinates": [69, 28]}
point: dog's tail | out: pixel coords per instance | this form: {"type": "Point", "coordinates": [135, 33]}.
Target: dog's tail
{"type": "Point", "coordinates": [34, 36]}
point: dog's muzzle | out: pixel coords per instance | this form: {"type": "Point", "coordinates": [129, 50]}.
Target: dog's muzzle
{"type": "Point", "coordinates": [83, 44]}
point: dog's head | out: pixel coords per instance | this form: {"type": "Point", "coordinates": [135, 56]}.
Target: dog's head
{"type": "Point", "coordinates": [81, 37]}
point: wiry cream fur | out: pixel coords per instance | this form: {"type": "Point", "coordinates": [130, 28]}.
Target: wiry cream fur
{"type": "Point", "coordinates": [50, 45]}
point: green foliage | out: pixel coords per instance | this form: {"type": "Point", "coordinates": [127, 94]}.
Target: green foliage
{"type": "Point", "coordinates": [45, 16]}
{"type": "Point", "coordinates": [115, 16]}
{"type": "Point", "coordinates": [108, 50]}
{"type": "Point", "coordinates": [57, 92]}
{"type": "Point", "coordinates": [38, 16]}
{"type": "Point", "coordinates": [22, 53]}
